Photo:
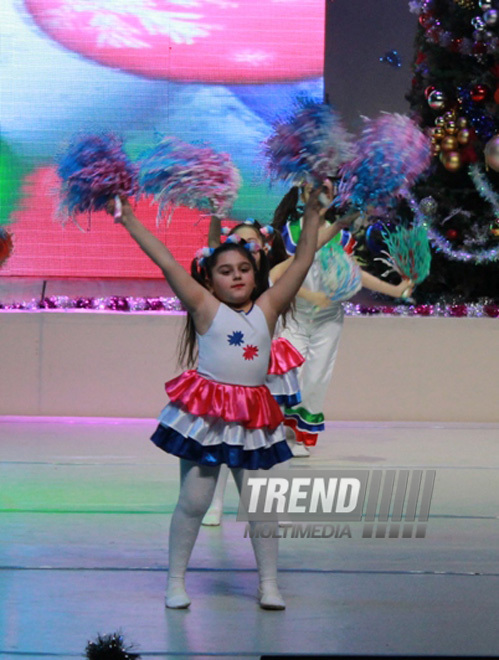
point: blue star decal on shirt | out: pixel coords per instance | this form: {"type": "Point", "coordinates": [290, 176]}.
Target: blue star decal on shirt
{"type": "Point", "coordinates": [236, 338]}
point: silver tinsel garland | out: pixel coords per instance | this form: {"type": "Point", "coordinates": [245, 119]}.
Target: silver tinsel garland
{"type": "Point", "coordinates": [129, 305]}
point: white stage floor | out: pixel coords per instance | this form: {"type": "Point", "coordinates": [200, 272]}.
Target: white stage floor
{"type": "Point", "coordinates": [85, 506]}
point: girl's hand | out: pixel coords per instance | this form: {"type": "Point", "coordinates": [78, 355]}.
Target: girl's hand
{"type": "Point", "coordinates": [404, 289]}
{"type": "Point", "coordinates": [120, 208]}
{"type": "Point", "coordinates": [326, 195]}
{"type": "Point", "coordinates": [314, 205]}
{"type": "Point", "coordinates": [346, 221]}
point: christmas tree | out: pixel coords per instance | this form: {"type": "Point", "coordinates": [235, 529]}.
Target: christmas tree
{"type": "Point", "coordinates": [454, 98]}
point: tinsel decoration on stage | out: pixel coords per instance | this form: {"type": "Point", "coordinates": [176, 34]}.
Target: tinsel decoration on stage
{"type": "Point", "coordinates": [391, 153]}
{"type": "Point", "coordinates": [177, 173]}
{"type": "Point", "coordinates": [408, 252]}
{"type": "Point", "coordinates": [117, 304]}
{"type": "Point", "coordinates": [308, 145]}
{"type": "Point", "coordinates": [340, 275]}
{"type": "Point", "coordinates": [94, 169]}
{"type": "Point", "coordinates": [110, 647]}
{"type": "Point", "coordinates": [6, 245]}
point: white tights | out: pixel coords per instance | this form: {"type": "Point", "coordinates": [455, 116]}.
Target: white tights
{"type": "Point", "coordinates": [197, 486]}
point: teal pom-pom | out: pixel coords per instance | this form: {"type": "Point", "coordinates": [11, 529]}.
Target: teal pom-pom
{"type": "Point", "coordinates": [408, 252]}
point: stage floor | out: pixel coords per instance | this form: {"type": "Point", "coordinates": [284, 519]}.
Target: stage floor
{"type": "Point", "coordinates": [85, 509]}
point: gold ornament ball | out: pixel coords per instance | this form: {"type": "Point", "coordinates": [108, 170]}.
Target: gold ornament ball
{"type": "Point", "coordinates": [439, 132]}
{"type": "Point", "coordinates": [450, 115]}
{"type": "Point", "coordinates": [462, 122]}
{"type": "Point", "coordinates": [463, 137]}
{"type": "Point", "coordinates": [451, 127]}
{"type": "Point", "coordinates": [451, 160]}
{"type": "Point", "coordinates": [440, 121]}
{"type": "Point", "coordinates": [436, 149]}
{"type": "Point", "coordinates": [449, 143]}
{"type": "Point", "coordinates": [491, 153]}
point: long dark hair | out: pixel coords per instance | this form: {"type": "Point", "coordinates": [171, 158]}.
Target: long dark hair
{"type": "Point", "coordinates": [287, 208]}
{"type": "Point", "coordinates": [202, 271]}
{"type": "Point", "coordinates": [288, 211]}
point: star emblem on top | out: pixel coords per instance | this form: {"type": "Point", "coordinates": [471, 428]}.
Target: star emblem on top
{"type": "Point", "coordinates": [236, 338]}
{"type": "Point", "coordinates": [250, 352]}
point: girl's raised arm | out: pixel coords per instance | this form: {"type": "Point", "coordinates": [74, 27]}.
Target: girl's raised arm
{"type": "Point", "coordinates": [329, 231]}
{"type": "Point", "coordinates": [276, 299]}
{"type": "Point", "coordinates": [196, 299]}
{"type": "Point", "coordinates": [214, 231]}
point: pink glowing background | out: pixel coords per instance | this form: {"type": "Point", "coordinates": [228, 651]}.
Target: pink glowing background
{"type": "Point", "coordinates": [202, 70]}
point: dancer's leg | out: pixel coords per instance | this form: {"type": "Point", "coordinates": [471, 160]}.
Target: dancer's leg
{"type": "Point", "coordinates": [315, 374]}
{"type": "Point", "coordinates": [197, 484]}
{"type": "Point", "coordinates": [213, 516]}
{"type": "Point", "coordinates": [265, 550]}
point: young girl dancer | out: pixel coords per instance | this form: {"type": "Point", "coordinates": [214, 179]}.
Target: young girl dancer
{"type": "Point", "coordinates": [316, 324]}
{"type": "Point", "coordinates": [222, 412]}
{"type": "Point", "coordinates": [282, 375]}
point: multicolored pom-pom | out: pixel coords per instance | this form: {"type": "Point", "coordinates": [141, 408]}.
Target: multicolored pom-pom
{"type": "Point", "coordinates": [110, 647]}
{"type": "Point", "coordinates": [307, 146]}
{"type": "Point", "coordinates": [177, 173]}
{"type": "Point", "coordinates": [391, 153]}
{"type": "Point", "coordinates": [6, 245]}
{"type": "Point", "coordinates": [408, 252]}
{"type": "Point", "coordinates": [94, 170]}
{"type": "Point", "coordinates": [340, 274]}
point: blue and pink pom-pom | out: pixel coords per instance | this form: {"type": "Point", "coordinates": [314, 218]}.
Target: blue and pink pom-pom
{"type": "Point", "coordinates": [177, 173]}
{"type": "Point", "coordinates": [391, 153]}
{"type": "Point", "coordinates": [307, 146]}
{"type": "Point", "coordinates": [94, 169]}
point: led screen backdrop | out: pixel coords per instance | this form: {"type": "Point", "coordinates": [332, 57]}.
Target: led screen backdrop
{"type": "Point", "coordinates": [217, 71]}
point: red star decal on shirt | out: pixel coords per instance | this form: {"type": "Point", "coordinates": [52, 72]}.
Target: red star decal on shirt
{"type": "Point", "coordinates": [250, 352]}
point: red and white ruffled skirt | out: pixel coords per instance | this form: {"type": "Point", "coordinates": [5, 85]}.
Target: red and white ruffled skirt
{"type": "Point", "coordinates": [282, 376]}
{"type": "Point", "coordinates": [212, 423]}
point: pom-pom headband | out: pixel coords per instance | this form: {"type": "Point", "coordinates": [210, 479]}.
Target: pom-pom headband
{"type": "Point", "coordinates": [267, 231]}
{"type": "Point", "coordinates": [251, 246]}
{"type": "Point", "coordinates": [202, 254]}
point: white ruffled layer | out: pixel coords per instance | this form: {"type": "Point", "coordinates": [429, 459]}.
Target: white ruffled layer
{"type": "Point", "coordinates": [209, 431]}
{"type": "Point", "coordinates": [283, 384]}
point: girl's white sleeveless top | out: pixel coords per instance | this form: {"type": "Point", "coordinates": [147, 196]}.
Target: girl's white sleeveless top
{"type": "Point", "coordinates": [236, 348]}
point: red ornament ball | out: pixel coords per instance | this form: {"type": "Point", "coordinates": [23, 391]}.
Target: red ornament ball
{"type": "Point", "coordinates": [496, 96]}
{"type": "Point", "coordinates": [425, 19]}
{"type": "Point", "coordinates": [479, 93]}
{"type": "Point", "coordinates": [451, 234]}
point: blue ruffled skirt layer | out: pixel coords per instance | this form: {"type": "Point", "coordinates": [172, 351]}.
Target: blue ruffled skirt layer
{"type": "Point", "coordinates": [234, 456]}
